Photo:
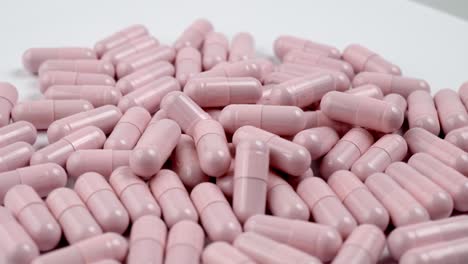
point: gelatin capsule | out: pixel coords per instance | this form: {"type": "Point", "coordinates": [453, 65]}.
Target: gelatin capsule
{"type": "Point", "coordinates": [390, 83]}
{"type": "Point", "coordinates": [422, 112]}
{"type": "Point", "coordinates": [84, 66]}
{"type": "Point", "coordinates": [97, 95]}
{"type": "Point", "coordinates": [119, 38]}
{"type": "Point", "coordinates": [242, 47]}
{"type": "Point", "coordinates": [284, 44]}
{"type": "Point", "coordinates": [34, 57]}
{"type": "Point", "coordinates": [145, 58]}
{"type": "Point", "coordinates": [215, 50]}
{"type": "Point", "coordinates": [185, 243]}
{"type": "Point", "coordinates": [144, 76]}
{"type": "Point", "coordinates": [194, 34]}
{"type": "Point", "coordinates": [364, 59]}
{"type": "Point", "coordinates": [102, 161]}
{"type": "Point", "coordinates": [51, 78]}
{"type": "Point", "coordinates": [147, 241]}
{"type": "Point", "coordinates": [452, 112]}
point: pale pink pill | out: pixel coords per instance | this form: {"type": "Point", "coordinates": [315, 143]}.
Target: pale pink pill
{"type": "Point", "coordinates": [84, 66]}
{"type": "Point", "coordinates": [184, 243]}
{"type": "Point", "coordinates": [102, 161]}
{"type": "Point", "coordinates": [18, 131]}
{"type": "Point", "coordinates": [362, 204]}
{"type": "Point", "coordinates": [101, 247]}
{"type": "Point", "coordinates": [397, 100]}
{"type": "Point", "coordinates": [119, 38]}
{"type": "Point", "coordinates": [284, 44]}
{"type": "Point", "coordinates": [391, 83]}
{"type": "Point", "coordinates": [450, 252]}
{"type": "Point", "coordinates": [403, 208]}
{"type": "Point", "coordinates": [222, 91]}
{"type": "Point", "coordinates": [154, 147]}
{"type": "Point", "coordinates": [34, 57]}
{"type": "Point", "coordinates": [128, 130]}
{"type": "Point", "coordinates": [362, 111]}
{"type": "Point", "coordinates": [52, 78]}
{"type": "Point", "coordinates": [463, 93]}
{"type": "Point", "coordinates": [43, 178]}
{"type": "Point", "coordinates": [264, 250]}
{"type": "Point", "coordinates": [131, 47]}
{"type": "Point", "coordinates": [17, 246]}
{"type": "Point", "coordinates": [222, 252]}
{"type": "Point", "coordinates": [104, 117]}
{"type": "Point", "coordinates": [225, 182]}
{"type": "Point", "coordinates": [147, 241]}
{"type": "Point", "coordinates": [8, 99]}
{"type": "Point", "coordinates": [134, 193]}
{"type": "Point", "coordinates": [458, 137]}
{"type": "Point", "coordinates": [277, 77]}
{"type": "Point", "coordinates": [346, 151]}
{"type": "Point", "coordinates": [188, 64]}
{"type": "Point", "coordinates": [144, 58]}
{"type": "Point", "coordinates": [102, 202]}
{"type": "Point", "coordinates": [325, 206]}
{"type": "Point", "coordinates": [315, 239]}
{"type": "Point", "coordinates": [364, 59]}
{"type": "Point", "coordinates": [194, 34]}
{"type": "Point", "coordinates": [42, 113]}
{"type": "Point", "coordinates": [216, 215]}
{"type": "Point", "coordinates": [97, 95]}
{"type": "Point", "coordinates": [284, 154]}
{"type": "Point", "coordinates": [215, 50]}
{"type": "Point", "coordinates": [242, 47]}
{"type": "Point", "coordinates": [446, 177]}
{"type": "Point", "coordinates": [318, 141]}
{"type": "Point", "coordinates": [256, 68]}
{"type": "Point", "coordinates": [364, 245]}
{"type": "Point", "coordinates": [74, 217]}
{"type": "Point", "coordinates": [15, 156]}
{"type": "Point", "coordinates": [173, 198]}
{"type": "Point", "coordinates": [144, 76]}
{"type": "Point", "coordinates": [369, 90]}
{"type": "Point", "coordinates": [58, 152]}
{"type": "Point", "coordinates": [277, 119]}
{"type": "Point", "coordinates": [319, 119]}
{"type": "Point", "coordinates": [420, 140]}
{"type": "Point", "coordinates": [33, 214]}
{"type": "Point", "coordinates": [388, 149]}
{"type": "Point", "coordinates": [452, 112]}
{"type": "Point", "coordinates": [422, 112]}
{"type": "Point", "coordinates": [150, 95]}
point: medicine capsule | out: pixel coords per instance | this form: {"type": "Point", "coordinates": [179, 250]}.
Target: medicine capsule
{"type": "Point", "coordinates": [215, 50]}
{"type": "Point", "coordinates": [143, 76]}
{"type": "Point", "coordinates": [119, 38]}
{"type": "Point", "coordinates": [194, 35]}
{"type": "Point", "coordinates": [145, 58]}
{"type": "Point", "coordinates": [277, 77]}
{"type": "Point", "coordinates": [242, 47]}
{"type": "Point", "coordinates": [58, 152]}
{"type": "Point", "coordinates": [74, 217]}
{"type": "Point", "coordinates": [458, 137]}
{"type": "Point", "coordinates": [128, 130]}
{"type": "Point", "coordinates": [397, 100]}
{"type": "Point", "coordinates": [364, 245]}
{"type": "Point", "coordinates": [450, 252]}
{"type": "Point", "coordinates": [147, 241]}
{"type": "Point", "coordinates": [33, 214]}
{"type": "Point", "coordinates": [8, 99]}
{"type": "Point", "coordinates": [452, 112]}
{"type": "Point", "coordinates": [188, 64]}
{"type": "Point", "coordinates": [388, 149]}
{"type": "Point", "coordinates": [402, 207]}
{"type": "Point", "coordinates": [104, 117]}
{"type": "Point", "coordinates": [131, 47]}
{"type": "Point", "coordinates": [17, 246]}
{"type": "Point", "coordinates": [173, 198]}
{"type": "Point", "coordinates": [315, 239]}
{"type": "Point", "coordinates": [34, 57]}
{"type": "Point", "coordinates": [284, 44]}
{"type": "Point", "coordinates": [355, 196]}
{"type": "Point", "coordinates": [134, 194]}
{"type": "Point", "coordinates": [225, 182]}
{"type": "Point", "coordinates": [216, 215]}
{"type": "Point", "coordinates": [319, 119]}
{"type": "Point", "coordinates": [277, 119]}
{"type": "Point", "coordinates": [42, 113]}
{"type": "Point", "coordinates": [15, 156]}
{"type": "Point", "coordinates": [84, 66]}
{"type": "Point", "coordinates": [184, 243]}
{"type": "Point", "coordinates": [17, 131]}
{"type": "Point", "coordinates": [369, 90]}
{"type": "Point", "coordinates": [463, 93]}
{"type": "Point", "coordinates": [91, 250]}
{"type": "Point", "coordinates": [51, 78]}
{"type": "Point", "coordinates": [101, 161]}
{"type": "Point", "coordinates": [256, 68]}
{"type": "Point", "coordinates": [97, 95]}
{"type": "Point", "coordinates": [390, 83]}
{"type": "Point", "coordinates": [362, 111]}
{"type": "Point", "coordinates": [422, 112]}
{"type": "Point", "coordinates": [318, 141]}
{"type": "Point", "coordinates": [222, 252]}
{"type": "Point", "coordinates": [363, 59]}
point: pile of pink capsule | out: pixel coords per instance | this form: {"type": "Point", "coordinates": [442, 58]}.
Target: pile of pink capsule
{"type": "Point", "coordinates": [202, 152]}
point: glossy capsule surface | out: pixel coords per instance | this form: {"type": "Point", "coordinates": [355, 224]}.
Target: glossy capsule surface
{"type": "Point", "coordinates": [185, 243]}
{"type": "Point", "coordinates": [390, 83]}
{"type": "Point", "coordinates": [364, 59]}
{"type": "Point", "coordinates": [194, 34]}
{"type": "Point", "coordinates": [242, 47]}
{"type": "Point", "coordinates": [284, 44]}
{"type": "Point", "coordinates": [452, 112]}
{"type": "Point", "coordinates": [119, 38]}
{"type": "Point", "coordinates": [215, 50]}
{"type": "Point", "coordinates": [102, 161]}
{"type": "Point", "coordinates": [131, 47]}
{"type": "Point", "coordinates": [85, 66]}
{"type": "Point", "coordinates": [422, 112]}
{"type": "Point", "coordinates": [141, 59]}
{"type": "Point", "coordinates": [8, 99]}
{"type": "Point", "coordinates": [224, 252]}
{"type": "Point", "coordinates": [97, 95]}
{"type": "Point", "coordinates": [34, 57]}
{"type": "Point", "coordinates": [318, 141]}
{"type": "Point", "coordinates": [188, 63]}
{"type": "Point", "coordinates": [147, 241]}
{"type": "Point", "coordinates": [18, 131]}
{"type": "Point", "coordinates": [458, 137]}
{"type": "Point", "coordinates": [51, 78]}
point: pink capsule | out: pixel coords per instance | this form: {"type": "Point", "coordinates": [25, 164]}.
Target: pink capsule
{"type": "Point", "coordinates": [463, 93]}
{"type": "Point", "coordinates": [420, 140]}
{"type": "Point", "coordinates": [256, 68]}
{"type": "Point", "coordinates": [128, 130]}
{"type": "Point", "coordinates": [43, 178]}
{"type": "Point", "coordinates": [319, 119]}
{"type": "Point", "coordinates": [450, 252]}
{"type": "Point", "coordinates": [8, 99]}
{"type": "Point", "coordinates": [285, 44]}
{"type": "Point", "coordinates": [134, 194]}
{"type": "Point", "coordinates": [364, 245]}
{"type": "Point", "coordinates": [17, 246]}
{"type": "Point", "coordinates": [194, 35]}
{"type": "Point", "coordinates": [144, 76]}
{"type": "Point", "coordinates": [452, 112]}
{"type": "Point", "coordinates": [33, 214]}
{"type": "Point", "coordinates": [222, 252]}
{"type": "Point", "coordinates": [58, 152]}
{"type": "Point", "coordinates": [388, 149]}
{"type": "Point", "coordinates": [84, 66]}
{"type": "Point", "coordinates": [42, 113]}
{"type": "Point", "coordinates": [104, 117]}
{"type": "Point", "coordinates": [52, 78]}
{"type": "Point", "coordinates": [17, 131]}
{"type": "Point", "coordinates": [402, 207]}
{"type": "Point", "coordinates": [277, 119]}
{"type": "Point", "coordinates": [74, 217]}
{"type": "Point", "coordinates": [455, 183]}
{"type": "Point", "coordinates": [15, 156]}
{"type": "Point", "coordinates": [315, 239]}
{"type": "Point", "coordinates": [154, 147]}
{"type": "Point", "coordinates": [97, 95]}
{"type": "Point", "coordinates": [150, 95]}
{"type": "Point", "coordinates": [34, 57]}
{"type": "Point", "coordinates": [184, 243]}
{"type": "Point", "coordinates": [91, 250]}
{"type": "Point", "coordinates": [215, 50]}
{"type": "Point", "coordinates": [369, 90]}
{"type": "Point", "coordinates": [318, 141]}
{"type": "Point", "coordinates": [188, 64]}
{"type": "Point", "coordinates": [242, 47]}
{"type": "Point", "coordinates": [119, 38]}
{"type": "Point", "coordinates": [422, 112]}
{"type": "Point", "coordinates": [459, 138]}
{"type": "Point", "coordinates": [284, 155]}
{"type": "Point", "coordinates": [277, 77]}
{"type": "Point", "coordinates": [364, 59]}
{"type": "Point", "coordinates": [397, 100]}
{"type": "Point", "coordinates": [145, 58]}
{"type": "Point", "coordinates": [129, 48]}
{"type": "Point", "coordinates": [96, 160]}
{"type": "Point", "coordinates": [225, 182]}
{"type": "Point", "coordinates": [173, 197]}
{"type": "Point", "coordinates": [147, 241]}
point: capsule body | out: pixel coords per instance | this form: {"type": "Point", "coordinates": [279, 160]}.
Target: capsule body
{"type": "Point", "coordinates": [128, 130]}
{"type": "Point", "coordinates": [51, 78]}
{"type": "Point", "coordinates": [450, 252]}
{"type": "Point", "coordinates": [363, 59]}
{"type": "Point", "coordinates": [147, 241]}
{"type": "Point", "coordinates": [119, 38]}
{"type": "Point", "coordinates": [369, 90]}
{"type": "Point", "coordinates": [318, 141]}
{"type": "Point", "coordinates": [144, 76]}
{"type": "Point", "coordinates": [184, 243]}
{"type": "Point", "coordinates": [18, 131]}
{"type": "Point", "coordinates": [284, 44]}
{"type": "Point", "coordinates": [242, 47]}
{"type": "Point", "coordinates": [256, 68]}
{"type": "Point", "coordinates": [390, 83]}
{"type": "Point", "coordinates": [319, 119]}
{"type": "Point", "coordinates": [131, 47]}
{"type": "Point", "coordinates": [145, 58]}
{"type": "Point", "coordinates": [222, 252]}
{"type": "Point", "coordinates": [188, 63]}
{"type": "Point", "coordinates": [194, 34]}
{"type": "Point", "coordinates": [8, 99]}
{"type": "Point", "coordinates": [452, 112]}
{"type": "Point", "coordinates": [215, 50]}
{"type": "Point", "coordinates": [97, 95]}
{"type": "Point", "coordinates": [422, 112]}
{"type": "Point", "coordinates": [100, 161]}
{"type": "Point", "coordinates": [459, 138]}
{"type": "Point", "coordinates": [15, 156]}
{"type": "Point", "coordinates": [34, 57]}
{"type": "Point", "coordinates": [84, 66]}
